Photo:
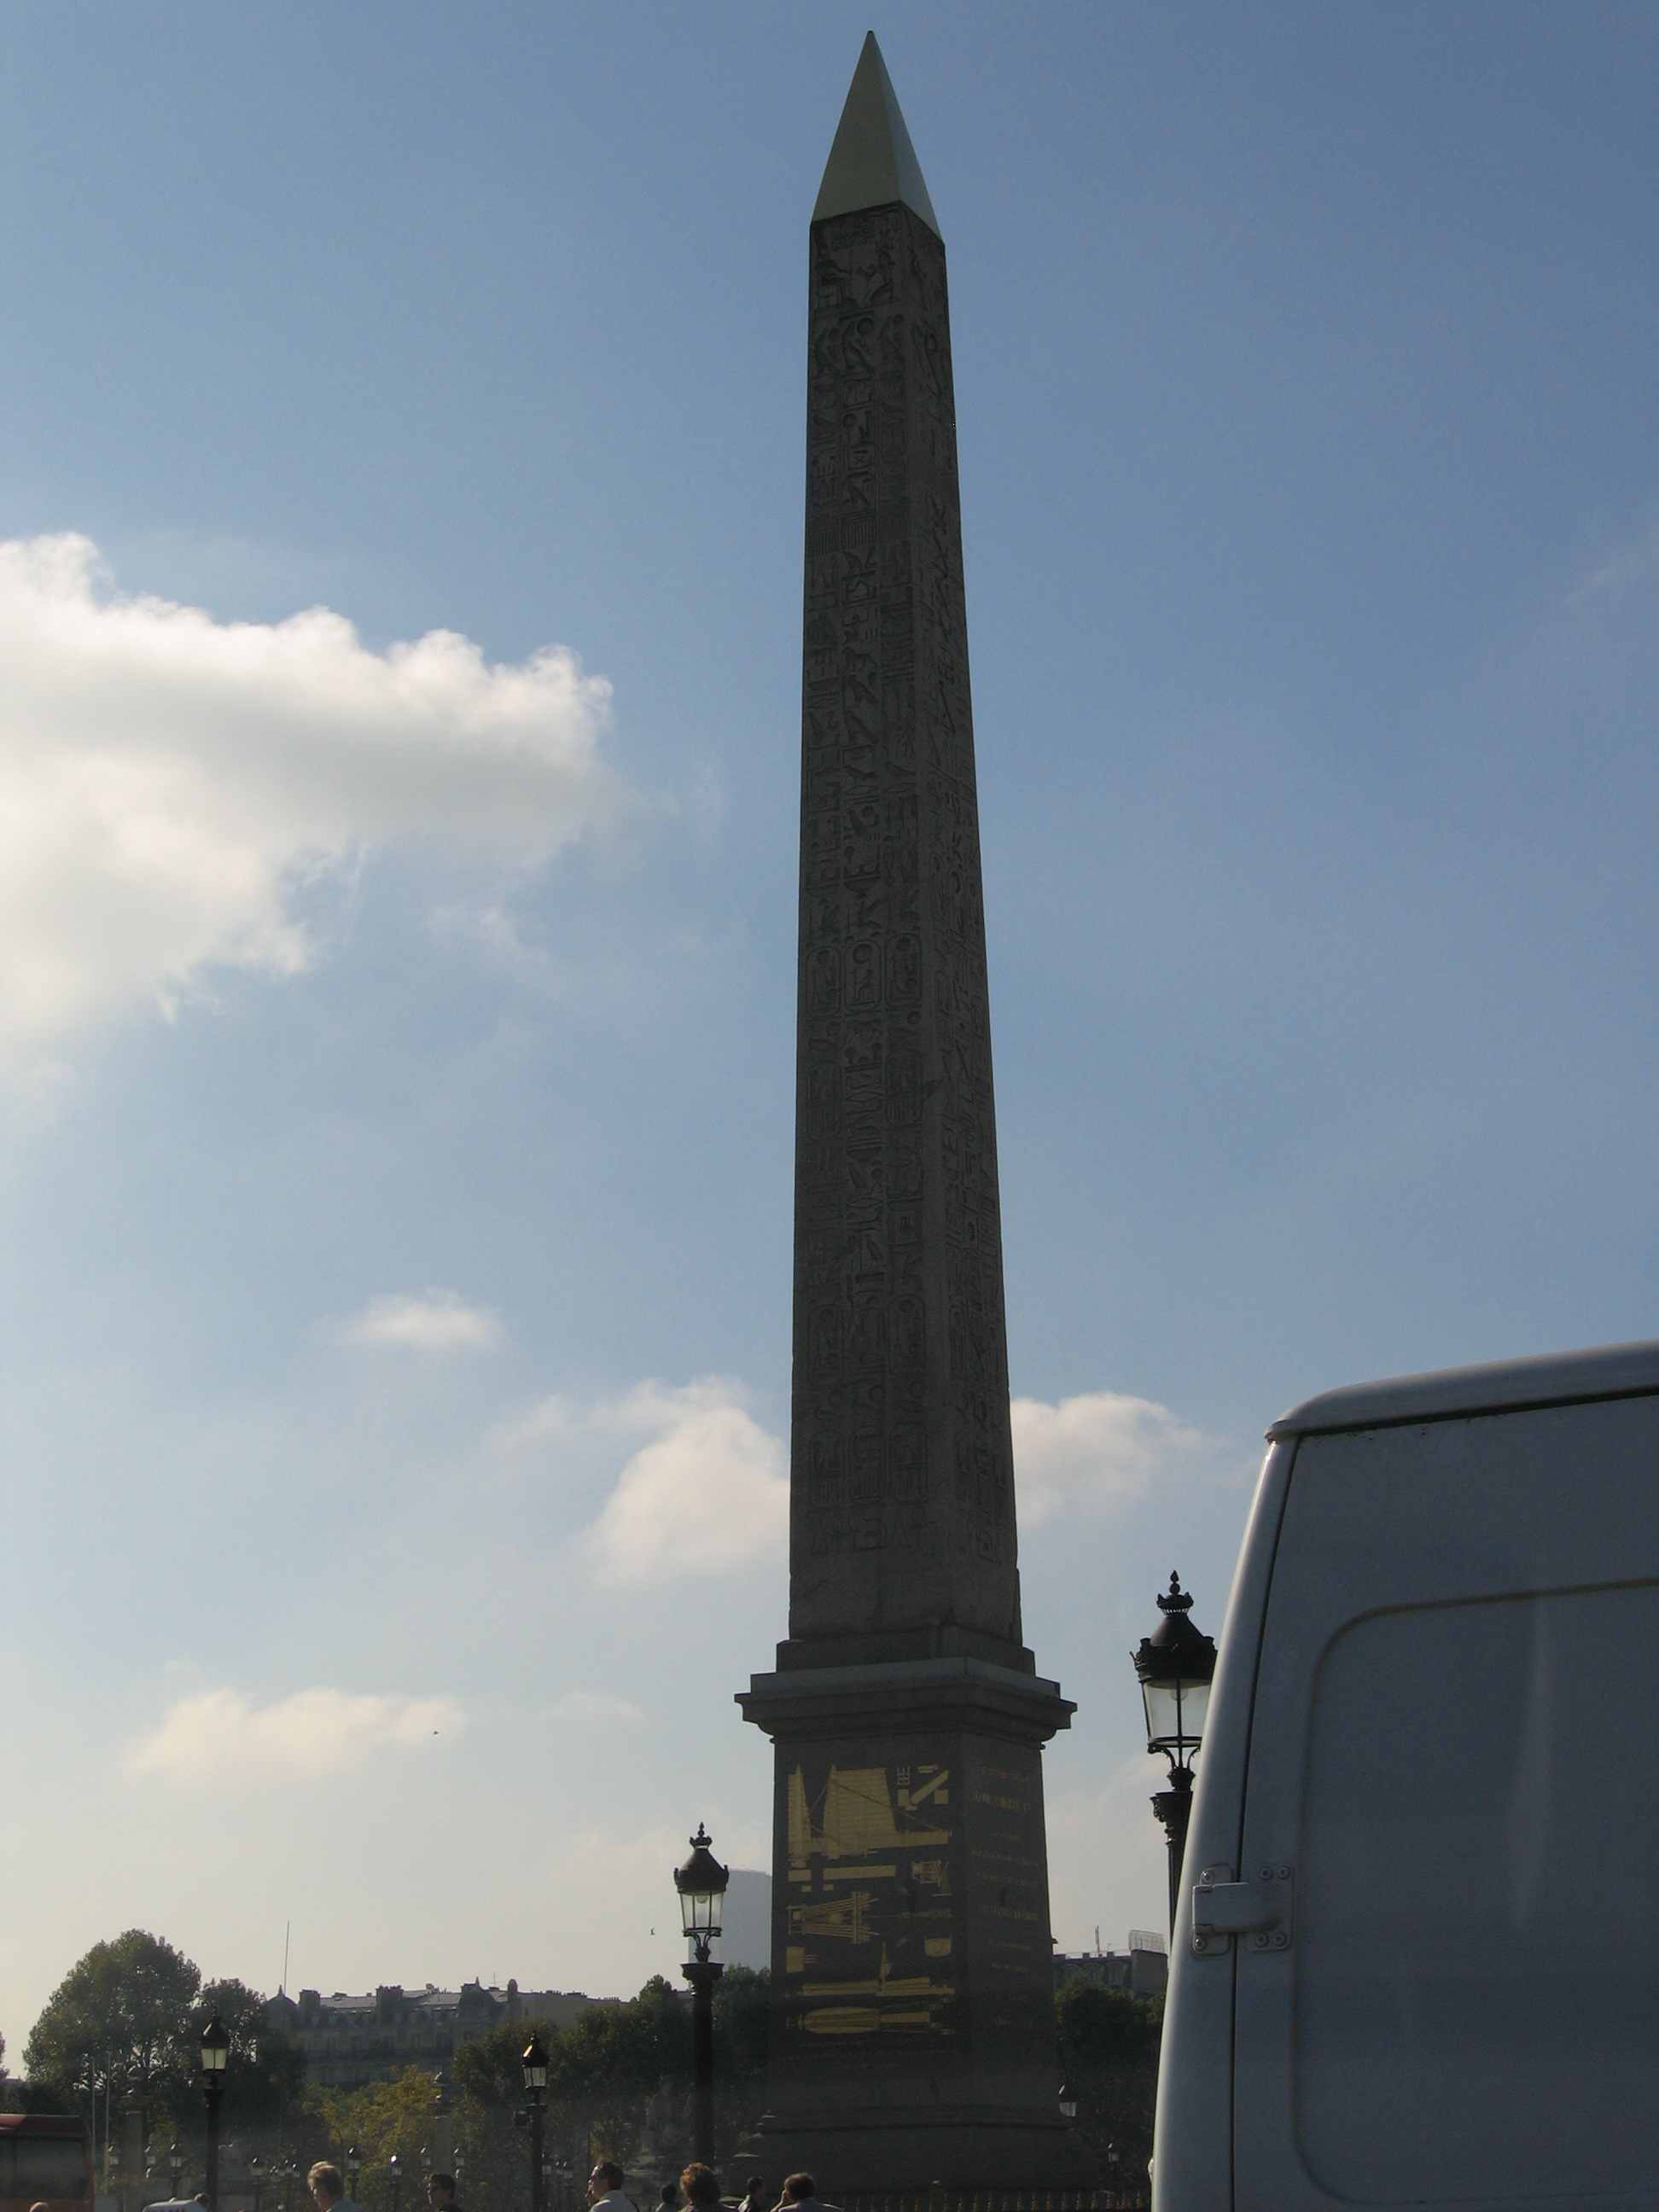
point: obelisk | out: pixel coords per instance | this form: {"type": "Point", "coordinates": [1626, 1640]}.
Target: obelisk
{"type": "Point", "coordinates": [913, 2029]}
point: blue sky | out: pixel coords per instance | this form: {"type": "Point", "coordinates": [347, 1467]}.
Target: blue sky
{"type": "Point", "coordinates": [397, 1044]}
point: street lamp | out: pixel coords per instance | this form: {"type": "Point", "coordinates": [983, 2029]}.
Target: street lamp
{"type": "Point", "coordinates": [1175, 1665]}
{"type": "Point", "coordinates": [353, 2167]}
{"type": "Point", "coordinates": [443, 2146]}
{"type": "Point", "coordinates": [535, 2087]}
{"type": "Point", "coordinates": [701, 1885]}
{"type": "Point", "coordinates": [1067, 2102]}
{"type": "Point", "coordinates": [256, 2175]}
{"type": "Point", "coordinates": [215, 2054]}
{"type": "Point", "coordinates": [175, 2167]}
{"type": "Point", "coordinates": [394, 2166]}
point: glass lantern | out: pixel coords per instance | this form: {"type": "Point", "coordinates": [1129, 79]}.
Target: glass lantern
{"type": "Point", "coordinates": [701, 1885]}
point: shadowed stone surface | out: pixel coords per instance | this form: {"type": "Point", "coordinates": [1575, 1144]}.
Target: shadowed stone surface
{"type": "Point", "coordinates": [913, 2033]}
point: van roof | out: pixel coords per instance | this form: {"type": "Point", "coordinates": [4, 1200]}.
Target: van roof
{"type": "Point", "coordinates": [1559, 1378]}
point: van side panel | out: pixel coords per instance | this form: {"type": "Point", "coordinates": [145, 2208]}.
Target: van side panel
{"type": "Point", "coordinates": [1454, 1759]}
{"type": "Point", "coordinates": [1192, 2170]}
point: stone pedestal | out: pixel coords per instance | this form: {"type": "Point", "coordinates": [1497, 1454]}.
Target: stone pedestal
{"type": "Point", "coordinates": [912, 2035]}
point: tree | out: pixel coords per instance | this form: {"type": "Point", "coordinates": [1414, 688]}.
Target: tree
{"type": "Point", "coordinates": [263, 2071]}
{"type": "Point", "coordinates": [383, 2118]}
{"type": "Point", "coordinates": [119, 2019]}
{"type": "Point", "coordinates": [128, 2018]}
{"type": "Point", "coordinates": [1109, 2049]}
{"type": "Point", "coordinates": [743, 2008]}
{"type": "Point", "coordinates": [602, 2073]}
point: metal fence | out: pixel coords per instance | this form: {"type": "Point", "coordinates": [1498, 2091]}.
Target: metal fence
{"type": "Point", "coordinates": [1001, 2200]}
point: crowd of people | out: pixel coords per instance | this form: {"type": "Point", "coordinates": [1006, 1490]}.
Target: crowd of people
{"type": "Point", "coordinates": [697, 2190]}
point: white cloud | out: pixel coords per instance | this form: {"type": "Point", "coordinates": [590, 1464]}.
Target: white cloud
{"type": "Point", "coordinates": [221, 1732]}
{"type": "Point", "coordinates": [437, 1320]}
{"type": "Point", "coordinates": [590, 1707]}
{"type": "Point", "coordinates": [168, 782]}
{"type": "Point", "coordinates": [549, 1417]}
{"type": "Point", "coordinates": [708, 1492]}
{"type": "Point", "coordinates": [1095, 1453]}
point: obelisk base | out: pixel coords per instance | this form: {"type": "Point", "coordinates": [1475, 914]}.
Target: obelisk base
{"type": "Point", "coordinates": [875, 2154]}
{"type": "Point", "coordinates": [913, 2013]}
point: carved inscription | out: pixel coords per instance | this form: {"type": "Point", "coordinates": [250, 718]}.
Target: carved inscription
{"type": "Point", "coordinates": [900, 1438]}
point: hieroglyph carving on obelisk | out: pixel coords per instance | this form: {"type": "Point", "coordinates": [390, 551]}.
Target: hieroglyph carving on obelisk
{"type": "Point", "coordinates": [902, 1503]}
{"type": "Point", "coordinates": [913, 2033]}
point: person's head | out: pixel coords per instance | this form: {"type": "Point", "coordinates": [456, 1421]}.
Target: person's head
{"type": "Point", "coordinates": [606, 2175]}
{"type": "Point", "coordinates": [325, 2184]}
{"type": "Point", "coordinates": [440, 2190]}
{"type": "Point", "coordinates": [757, 2193]}
{"type": "Point", "coordinates": [670, 2198]}
{"type": "Point", "coordinates": [700, 2183]}
{"type": "Point", "coordinates": [798, 2187]}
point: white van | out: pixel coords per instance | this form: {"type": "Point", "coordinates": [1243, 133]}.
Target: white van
{"type": "Point", "coordinates": [1417, 1958]}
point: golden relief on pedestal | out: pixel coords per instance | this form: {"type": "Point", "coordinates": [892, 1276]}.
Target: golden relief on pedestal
{"type": "Point", "coordinates": [870, 1914]}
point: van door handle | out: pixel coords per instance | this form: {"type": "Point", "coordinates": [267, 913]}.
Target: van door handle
{"type": "Point", "coordinates": [1262, 1909]}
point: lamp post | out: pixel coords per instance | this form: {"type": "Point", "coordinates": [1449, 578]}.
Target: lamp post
{"type": "Point", "coordinates": [353, 2167]}
{"type": "Point", "coordinates": [216, 2055]}
{"type": "Point", "coordinates": [701, 1885]}
{"type": "Point", "coordinates": [535, 2088]}
{"type": "Point", "coordinates": [175, 2167]}
{"type": "Point", "coordinates": [443, 2144]}
{"type": "Point", "coordinates": [394, 2166]}
{"type": "Point", "coordinates": [256, 2175]}
{"type": "Point", "coordinates": [1175, 1665]}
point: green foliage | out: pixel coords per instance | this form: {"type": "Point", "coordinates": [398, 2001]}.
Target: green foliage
{"type": "Point", "coordinates": [127, 2019]}
{"type": "Point", "coordinates": [602, 2074]}
{"type": "Point", "coordinates": [384, 2119]}
{"type": "Point", "coordinates": [25, 2096]}
{"type": "Point", "coordinates": [1108, 2050]}
{"type": "Point", "coordinates": [743, 2002]}
{"type": "Point", "coordinates": [118, 2019]}
{"type": "Point", "coordinates": [129, 2016]}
